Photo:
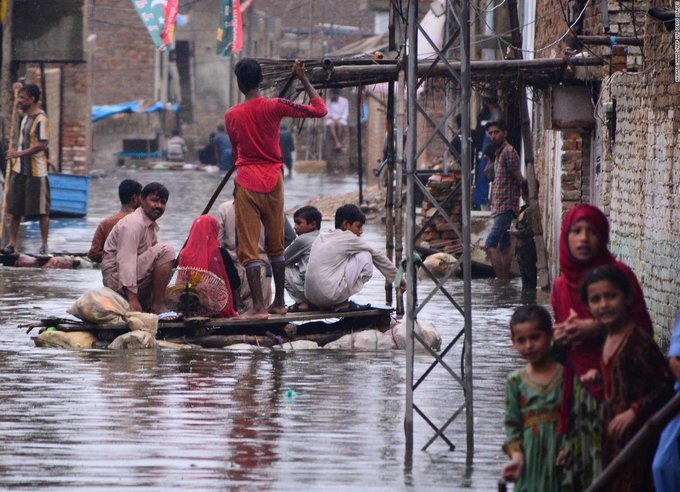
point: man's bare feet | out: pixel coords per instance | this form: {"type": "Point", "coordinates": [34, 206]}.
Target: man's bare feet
{"type": "Point", "coordinates": [252, 314]}
{"type": "Point", "coordinates": [277, 309]}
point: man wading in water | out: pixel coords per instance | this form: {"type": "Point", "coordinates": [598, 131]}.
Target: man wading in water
{"type": "Point", "coordinates": [253, 128]}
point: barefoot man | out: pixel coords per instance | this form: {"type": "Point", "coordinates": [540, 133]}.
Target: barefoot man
{"type": "Point", "coordinates": [253, 128]}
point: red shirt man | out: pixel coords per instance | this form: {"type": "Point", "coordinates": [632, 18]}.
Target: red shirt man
{"type": "Point", "coordinates": [253, 128]}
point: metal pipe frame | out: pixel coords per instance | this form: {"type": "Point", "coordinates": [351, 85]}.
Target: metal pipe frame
{"type": "Point", "coordinates": [458, 37]}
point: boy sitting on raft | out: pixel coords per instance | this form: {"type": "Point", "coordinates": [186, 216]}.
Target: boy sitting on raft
{"type": "Point", "coordinates": [340, 263]}
{"type": "Point", "coordinates": [307, 222]}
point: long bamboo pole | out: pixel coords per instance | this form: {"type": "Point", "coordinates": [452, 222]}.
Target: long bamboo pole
{"type": "Point", "coordinates": [493, 68]}
{"type": "Point", "coordinates": [9, 163]}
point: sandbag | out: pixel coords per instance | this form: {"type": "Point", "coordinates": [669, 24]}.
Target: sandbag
{"type": "Point", "coordinates": [134, 340]}
{"type": "Point", "coordinates": [65, 339]}
{"type": "Point", "coordinates": [363, 340]}
{"type": "Point", "coordinates": [100, 306]}
{"type": "Point", "coordinates": [298, 345]}
{"type": "Point", "coordinates": [424, 329]}
{"type": "Point", "coordinates": [439, 264]}
{"type": "Point", "coordinates": [147, 322]}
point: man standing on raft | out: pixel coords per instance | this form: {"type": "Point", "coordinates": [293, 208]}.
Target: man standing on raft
{"type": "Point", "coordinates": [253, 128]}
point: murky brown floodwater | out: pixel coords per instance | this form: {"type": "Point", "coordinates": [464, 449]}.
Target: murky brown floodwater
{"type": "Point", "coordinates": [219, 420]}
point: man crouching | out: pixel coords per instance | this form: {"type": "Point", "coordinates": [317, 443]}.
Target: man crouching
{"type": "Point", "coordinates": [135, 264]}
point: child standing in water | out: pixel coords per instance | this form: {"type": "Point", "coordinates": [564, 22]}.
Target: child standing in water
{"type": "Point", "coordinates": [583, 246]}
{"type": "Point", "coordinates": [532, 404]}
{"type": "Point", "coordinates": [637, 381]}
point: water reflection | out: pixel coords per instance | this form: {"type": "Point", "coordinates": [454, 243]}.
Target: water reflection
{"type": "Point", "coordinates": [215, 420]}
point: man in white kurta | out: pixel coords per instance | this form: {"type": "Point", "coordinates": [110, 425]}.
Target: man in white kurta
{"type": "Point", "coordinates": [340, 263]}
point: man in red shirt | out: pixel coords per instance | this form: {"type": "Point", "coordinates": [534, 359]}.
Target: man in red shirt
{"type": "Point", "coordinates": [253, 128]}
{"type": "Point", "coordinates": [130, 195]}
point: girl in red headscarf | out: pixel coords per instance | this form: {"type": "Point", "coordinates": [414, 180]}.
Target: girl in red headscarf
{"type": "Point", "coordinates": [583, 246]}
{"type": "Point", "coordinates": [203, 251]}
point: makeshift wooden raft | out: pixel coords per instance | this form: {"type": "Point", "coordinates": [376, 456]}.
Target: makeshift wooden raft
{"type": "Point", "coordinates": [321, 327]}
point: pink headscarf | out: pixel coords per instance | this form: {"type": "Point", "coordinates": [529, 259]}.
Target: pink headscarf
{"type": "Point", "coordinates": [203, 251]}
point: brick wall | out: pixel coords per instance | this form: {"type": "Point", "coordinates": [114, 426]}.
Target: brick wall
{"type": "Point", "coordinates": [123, 58]}
{"type": "Point", "coordinates": [642, 162]}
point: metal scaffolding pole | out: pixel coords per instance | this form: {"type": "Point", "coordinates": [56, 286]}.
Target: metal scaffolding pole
{"type": "Point", "coordinates": [457, 40]}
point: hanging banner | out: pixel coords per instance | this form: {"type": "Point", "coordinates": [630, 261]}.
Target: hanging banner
{"type": "Point", "coordinates": [230, 30]}
{"type": "Point", "coordinates": [159, 17]}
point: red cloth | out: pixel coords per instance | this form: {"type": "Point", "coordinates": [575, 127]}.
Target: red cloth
{"type": "Point", "coordinates": [565, 295]}
{"type": "Point", "coordinates": [203, 251]}
{"type": "Point", "coordinates": [253, 128]}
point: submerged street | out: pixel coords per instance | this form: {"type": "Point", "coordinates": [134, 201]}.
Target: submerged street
{"type": "Point", "coordinates": [217, 420]}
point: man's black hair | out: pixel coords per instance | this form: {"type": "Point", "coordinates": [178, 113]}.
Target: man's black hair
{"type": "Point", "coordinates": [500, 124]}
{"type": "Point", "coordinates": [350, 213]}
{"type": "Point", "coordinates": [532, 312]}
{"type": "Point", "coordinates": [156, 189]}
{"type": "Point", "coordinates": [221, 128]}
{"type": "Point", "coordinates": [248, 73]}
{"type": "Point", "coordinates": [127, 189]}
{"type": "Point", "coordinates": [310, 214]}
{"type": "Point", "coordinates": [32, 90]}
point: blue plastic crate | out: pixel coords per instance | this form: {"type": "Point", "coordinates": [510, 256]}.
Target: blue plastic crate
{"type": "Point", "coordinates": [69, 194]}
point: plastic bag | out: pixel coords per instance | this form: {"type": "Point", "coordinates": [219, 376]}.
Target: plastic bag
{"type": "Point", "coordinates": [100, 306]}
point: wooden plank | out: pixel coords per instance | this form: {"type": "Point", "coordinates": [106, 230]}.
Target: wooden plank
{"type": "Point", "coordinates": [273, 320]}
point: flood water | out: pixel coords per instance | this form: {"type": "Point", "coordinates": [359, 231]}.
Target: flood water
{"type": "Point", "coordinates": [219, 420]}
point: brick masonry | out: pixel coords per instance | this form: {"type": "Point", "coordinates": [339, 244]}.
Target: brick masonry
{"type": "Point", "coordinates": [636, 181]}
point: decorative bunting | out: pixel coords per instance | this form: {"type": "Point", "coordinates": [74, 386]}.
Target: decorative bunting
{"type": "Point", "coordinates": [159, 17]}
{"type": "Point", "coordinates": [230, 30]}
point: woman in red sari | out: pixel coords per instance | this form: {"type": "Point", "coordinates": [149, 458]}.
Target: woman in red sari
{"type": "Point", "coordinates": [582, 247]}
{"type": "Point", "coordinates": [202, 251]}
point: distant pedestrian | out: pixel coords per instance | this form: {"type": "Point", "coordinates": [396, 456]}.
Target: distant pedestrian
{"type": "Point", "coordinates": [29, 188]}
{"type": "Point", "coordinates": [287, 147]}
{"type": "Point", "coordinates": [176, 146]}
{"type": "Point", "coordinates": [504, 199]}
{"type": "Point", "coordinates": [338, 114]}
{"type": "Point", "coordinates": [254, 132]}
{"type": "Point", "coordinates": [525, 250]}
{"type": "Point", "coordinates": [223, 148]}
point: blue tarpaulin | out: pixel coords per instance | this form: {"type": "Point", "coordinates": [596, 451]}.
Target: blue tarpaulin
{"type": "Point", "coordinates": [101, 112]}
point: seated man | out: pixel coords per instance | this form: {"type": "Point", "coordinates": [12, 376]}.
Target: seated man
{"type": "Point", "coordinates": [129, 193]}
{"type": "Point", "coordinates": [135, 264]}
{"type": "Point", "coordinates": [340, 263]}
{"type": "Point", "coordinates": [336, 119]}
{"type": "Point", "coordinates": [177, 147]}
{"type": "Point", "coordinates": [307, 226]}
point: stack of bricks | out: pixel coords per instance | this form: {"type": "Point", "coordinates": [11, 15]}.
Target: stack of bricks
{"type": "Point", "coordinates": [437, 234]}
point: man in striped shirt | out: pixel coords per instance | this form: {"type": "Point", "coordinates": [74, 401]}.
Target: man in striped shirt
{"type": "Point", "coordinates": [29, 190]}
{"type": "Point", "coordinates": [504, 199]}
